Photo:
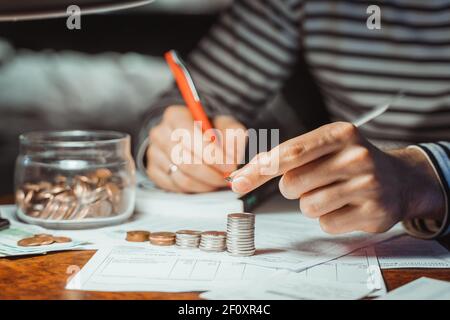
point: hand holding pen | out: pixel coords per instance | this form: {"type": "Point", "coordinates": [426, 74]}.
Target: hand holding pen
{"type": "Point", "coordinates": [207, 153]}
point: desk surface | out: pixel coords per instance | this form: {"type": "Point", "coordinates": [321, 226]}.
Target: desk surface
{"type": "Point", "coordinates": [45, 276]}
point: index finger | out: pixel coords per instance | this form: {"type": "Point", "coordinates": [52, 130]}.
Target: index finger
{"type": "Point", "coordinates": [292, 154]}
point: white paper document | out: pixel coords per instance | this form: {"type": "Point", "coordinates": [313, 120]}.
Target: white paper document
{"type": "Point", "coordinates": [421, 289]}
{"type": "Point", "coordinates": [351, 277]}
{"type": "Point", "coordinates": [153, 201]}
{"type": "Point", "coordinates": [287, 285]}
{"type": "Point", "coordinates": [126, 268]}
{"type": "Point", "coordinates": [409, 252]}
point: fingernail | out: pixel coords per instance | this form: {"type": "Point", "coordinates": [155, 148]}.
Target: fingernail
{"type": "Point", "coordinates": [241, 185]}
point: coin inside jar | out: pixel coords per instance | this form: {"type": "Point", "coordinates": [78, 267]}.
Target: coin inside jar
{"type": "Point", "coordinates": [137, 236]}
{"type": "Point", "coordinates": [94, 194]}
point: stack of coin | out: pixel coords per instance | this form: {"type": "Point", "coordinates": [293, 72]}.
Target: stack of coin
{"type": "Point", "coordinates": [241, 234]}
{"type": "Point", "coordinates": [137, 236]}
{"type": "Point", "coordinates": [97, 194]}
{"type": "Point", "coordinates": [213, 241]}
{"type": "Point", "coordinates": [42, 239]}
{"type": "Point", "coordinates": [188, 238]}
{"type": "Point", "coordinates": [162, 238]}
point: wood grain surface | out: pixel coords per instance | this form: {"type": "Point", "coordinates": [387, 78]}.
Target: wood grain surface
{"type": "Point", "coordinates": [45, 276]}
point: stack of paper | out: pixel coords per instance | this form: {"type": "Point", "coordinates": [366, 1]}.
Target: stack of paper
{"type": "Point", "coordinates": [127, 268]}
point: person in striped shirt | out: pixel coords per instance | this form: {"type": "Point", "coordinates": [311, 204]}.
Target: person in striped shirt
{"type": "Point", "coordinates": [337, 171]}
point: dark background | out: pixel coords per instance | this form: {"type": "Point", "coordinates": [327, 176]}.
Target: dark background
{"type": "Point", "coordinates": [147, 33]}
{"type": "Point", "coordinates": [151, 33]}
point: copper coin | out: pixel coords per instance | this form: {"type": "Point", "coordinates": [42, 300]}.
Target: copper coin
{"type": "Point", "coordinates": [137, 236]}
{"type": "Point", "coordinates": [242, 215]}
{"type": "Point", "coordinates": [103, 173]}
{"type": "Point", "coordinates": [29, 242]}
{"type": "Point", "coordinates": [45, 240]}
{"type": "Point", "coordinates": [62, 239]}
{"type": "Point", "coordinates": [31, 186]}
{"type": "Point", "coordinates": [60, 180]}
{"type": "Point", "coordinates": [162, 242]}
{"type": "Point", "coordinates": [29, 196]}
{"type": "Point", "coordinates": [164, 235]}
{"type": "Point", "coordinates": [20, 195]}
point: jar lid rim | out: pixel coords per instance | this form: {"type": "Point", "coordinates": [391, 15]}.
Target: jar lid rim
{"type": "Point", "coordinates": [56, 137]}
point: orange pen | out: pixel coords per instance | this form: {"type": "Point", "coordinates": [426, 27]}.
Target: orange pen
{"type": "Point", "coordinates": [188, 91]}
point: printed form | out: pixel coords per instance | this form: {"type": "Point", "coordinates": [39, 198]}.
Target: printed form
{"type": "Point", "coordinates": [130, 268]}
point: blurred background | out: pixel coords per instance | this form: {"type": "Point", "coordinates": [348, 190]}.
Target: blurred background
{"type": "Point", "coordinates": [106, 75]}
{"type": "Point", "coordinates": [103, 76]}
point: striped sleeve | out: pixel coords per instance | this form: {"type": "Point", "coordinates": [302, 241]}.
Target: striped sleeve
{"type": "Point", "coordinates": [247, 55]}
{"type": "Point", "coordinates": [240, 64]}
{"type": "Point", "coordinates": [439, 156]}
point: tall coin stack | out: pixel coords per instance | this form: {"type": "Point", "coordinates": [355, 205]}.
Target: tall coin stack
{"type": "Point", "coordinates": [188, 238]}
{"type": "Point", "coordinates": [213, 241]}
{"type": "Point", "coordinates": [241, 234]}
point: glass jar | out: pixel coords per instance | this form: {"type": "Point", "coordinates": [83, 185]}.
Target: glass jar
{"type": "Point", "coordinates": [74, 179]}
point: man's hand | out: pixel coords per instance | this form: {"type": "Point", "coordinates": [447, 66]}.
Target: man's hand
{"type": "Point", "coordinates": [346, 182]}
{"type": "Point", "coordinates": [199, 174]}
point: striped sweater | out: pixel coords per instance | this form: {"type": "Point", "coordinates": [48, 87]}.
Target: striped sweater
{"type": "Point", "coordinates": [253, 48]}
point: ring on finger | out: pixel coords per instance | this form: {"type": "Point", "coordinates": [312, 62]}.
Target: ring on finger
{"type": "Point", "coordinates": [172, 168]}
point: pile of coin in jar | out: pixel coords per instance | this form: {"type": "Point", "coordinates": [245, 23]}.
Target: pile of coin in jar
{"type": "Point", "coordinates": [94, 195]}
{"type": "Point", "coordinates": [239, 240]}
{"type": "Point", "coordinates": [42, 239]}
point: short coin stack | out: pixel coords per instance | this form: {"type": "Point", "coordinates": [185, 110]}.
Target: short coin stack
{"type": "Point", "coordinates": [162, 238]}
{"type": "Point", "coordinates": [138, 236]}
{"type": "Point", "coordinates": [188, 238]}
{"type": "Point", "coordinates": [213, 241]}
{"type": "Point", "coordinates": [241, 234]}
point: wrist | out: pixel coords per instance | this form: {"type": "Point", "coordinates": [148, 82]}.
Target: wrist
{"type": "Point", "coordinates": [422, 193]}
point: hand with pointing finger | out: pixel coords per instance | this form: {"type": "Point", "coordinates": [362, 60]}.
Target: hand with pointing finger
{"type": "Point", "coordinates": [346, 182]}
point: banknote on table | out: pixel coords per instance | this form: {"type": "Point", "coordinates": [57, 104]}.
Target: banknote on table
{"type": "Point", "coordinates": [10, 237]}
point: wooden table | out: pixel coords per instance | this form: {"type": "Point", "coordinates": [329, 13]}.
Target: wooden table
{"type": "Point", "coordinates": [45, 276]}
